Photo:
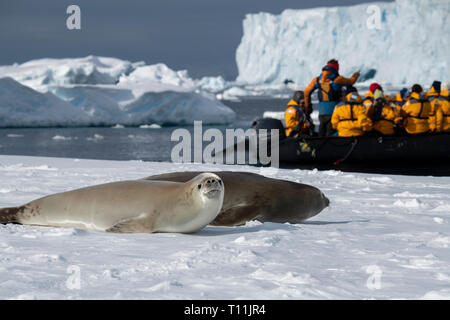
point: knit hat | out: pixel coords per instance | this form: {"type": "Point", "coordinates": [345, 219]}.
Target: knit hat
{"type": "Point", "coordinates": [403, 92]}
{"type": "Point", "coordinates": [334, 64]}
{"type": "Point", "coordinates": [374, 86]}
{"type": "Point", "coordinates": [436, 85]}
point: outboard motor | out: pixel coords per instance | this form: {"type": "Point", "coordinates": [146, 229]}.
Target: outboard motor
{"type": "Point", "coordinates": [269, 124]}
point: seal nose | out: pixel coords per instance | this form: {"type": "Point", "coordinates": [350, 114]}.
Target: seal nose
{"type": "Point", "coordinates": [213, 182]}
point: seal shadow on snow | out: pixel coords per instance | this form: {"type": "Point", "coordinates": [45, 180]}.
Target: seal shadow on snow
{"type": "Point", "coordinates": [319, 223]}
{"type": "Point", "coordinates": [266, 226]}
{"type": "Point", "coordinates": [211, 231]}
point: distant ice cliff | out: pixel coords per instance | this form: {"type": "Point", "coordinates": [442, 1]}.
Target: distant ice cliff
{"type": "Point", "coordinates": [399, 42]}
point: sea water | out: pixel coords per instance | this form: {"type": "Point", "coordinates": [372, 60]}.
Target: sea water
{"type": "Point", "coordinates": [145, 143]}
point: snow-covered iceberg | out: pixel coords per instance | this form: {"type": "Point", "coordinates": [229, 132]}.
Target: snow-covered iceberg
{"type": "Point", "coordinates": [407, 44]}
{"type": "Point", "coordinates": [103, 91]}
{"type": "Point", "coordinates": [87, 70]}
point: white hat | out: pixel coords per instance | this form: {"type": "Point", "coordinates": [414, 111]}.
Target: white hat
{"type": "Point", "coordinates": [445, 86]}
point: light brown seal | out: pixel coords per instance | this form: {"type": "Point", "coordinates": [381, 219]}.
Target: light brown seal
{"type": "Point", "coordinates": [128, 206]}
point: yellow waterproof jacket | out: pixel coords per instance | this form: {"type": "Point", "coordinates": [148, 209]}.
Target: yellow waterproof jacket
{"type": "Point", "coordinates": [416, 112]}
{"type": "Point", "coordinates": [442, 105]}
{"type": "Point", "coordinates": [398, 100]}
{"type": "Point", "coordinates": [368, 100]}
{"type": "Point", "coordinates": [432, 94]}
{"type": "Point", "coordinates": [349, 117]}
{"type": "Point", "coordinates": [386, 120]}
{"type": "Point", "coordinates": [433, 97]}
{"type": "Point", "coordinates": [292, 116]}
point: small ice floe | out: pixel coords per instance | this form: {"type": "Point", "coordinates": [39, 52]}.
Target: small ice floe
{"type": "Point", "coordinates": [438, 220]}
{"type": "Point", "coordinates": [13, 135]}
{"type": "Point", "coordinates": [63, 138]}
{"type": "Point", "coordinates": [150, 126]}
{"type": "Point", "coordinates": [95, 138]}
{"type": "Point", "coordinates": [410, 204]}
{"type": "Point", "coordinates": [118, 126]}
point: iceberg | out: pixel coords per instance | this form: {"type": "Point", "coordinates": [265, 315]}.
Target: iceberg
{"type": "Point", "coordinates": [21, 106]}
{"type": "Point", "coordinates": [407, 46]}
{"type": "Point", "coordinates": [103, 91]}
{"type": "Point", "coordinates": [212, 84]}
{"type": "Point", "coordinates": [87, 70]}
{"type": "Point", "coordinates": [157, 77]}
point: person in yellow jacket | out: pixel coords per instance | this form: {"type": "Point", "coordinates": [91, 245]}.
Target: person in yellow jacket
{"type": "Point", "coordinates": [416, 112]}
{"type": "Point", "coordinates": [368, 99]}
{"type": "Point", "coordinates": [433, 97]}
{"type": "Point", "coordinates": [400, 98]}
{"type": "Point", "coordinates": [434, 91]}
{"type": "Point", "coordinates": [349, 117]}
{"type": "Point", "coordinates": [384, 114]}
{"type": "Point", "coordinates": [442, 107]}
{"type": "Point", "coordinates": [295, 116]}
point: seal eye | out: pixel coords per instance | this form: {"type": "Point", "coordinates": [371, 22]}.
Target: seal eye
{"type": "Point", "coordinates": [199, 186]}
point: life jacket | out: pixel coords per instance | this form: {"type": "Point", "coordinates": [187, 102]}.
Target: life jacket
{"type": "Point", "coordinates": [398, 100]}
{"type": "Point", "coordinates": [349, 117]}
{"type": "Point", "coordinates": [385, 117]}
{"type": "Point", "coordinates": [422, 100]}
{"type": "Point", "coordinates": [292, 118]}
{"type": "Point", "coordinates": [368, 99]}
{"type": "Point", "coordinates": [416, 112]}
{"type": "Point", "coordinates": [432, 94]}
{"type": "Point", "coordinates": [440, 115]}
{"type": "Point", "coordinates": [294, 104]}
{"type": "Point", "coordinates": [325, 82]}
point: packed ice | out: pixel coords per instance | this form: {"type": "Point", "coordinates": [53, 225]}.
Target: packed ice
{"type": "Point", "coordinates": [383, 237]}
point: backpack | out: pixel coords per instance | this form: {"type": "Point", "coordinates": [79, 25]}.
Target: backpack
{"type": "Point", "coordinates": [326, 91]}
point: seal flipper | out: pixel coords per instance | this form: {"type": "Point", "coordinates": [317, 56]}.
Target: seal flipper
{"type": "Point", "coordinates": [237, 215]}
{"type": "Point", "coordinates": [137, 224]}
{"type": "Point", "coordinates": [11, 215]}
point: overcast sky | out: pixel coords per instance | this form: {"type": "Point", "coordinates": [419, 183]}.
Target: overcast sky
{"type": "Point", "coordinates": [198, 35]}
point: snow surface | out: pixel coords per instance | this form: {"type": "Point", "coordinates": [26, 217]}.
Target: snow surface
{"type": "Point", "coordinates": [103, 91]}
{"type": "Point", "coordinates": [384, 237]}
{"type": "Point", "coordinates": [408, 47]}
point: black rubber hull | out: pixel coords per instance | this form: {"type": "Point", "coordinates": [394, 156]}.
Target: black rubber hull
{"type": "Point", "coordinates": [427, 149]}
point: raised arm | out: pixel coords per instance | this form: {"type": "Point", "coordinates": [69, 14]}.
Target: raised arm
{"type": "Point", "coordinates": [309, 90]}
{"type": "Point", "coordinates": [347, 81]}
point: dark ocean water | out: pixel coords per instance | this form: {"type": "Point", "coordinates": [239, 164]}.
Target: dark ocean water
{"type": "Point", "coordinates": [129, 143]}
